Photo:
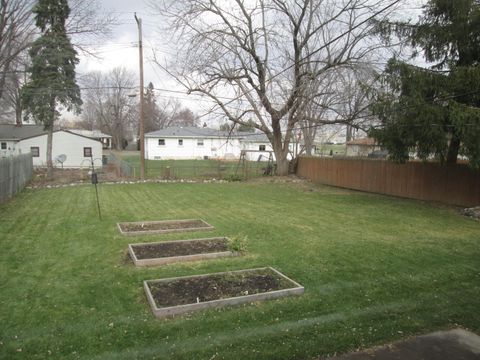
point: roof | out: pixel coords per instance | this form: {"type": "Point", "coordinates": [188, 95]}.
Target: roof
{"type": "Point", "coordinates": [255, 137]}
{"type": "Point", "coordinates": [14, 132]}
{"type": "Point", "coordinates": [96, 134]}
{"type": "Point", "coordinates": [17, 133]}
{"type": "Point", "coordinates": [187, 132]}
{"type": "Point", "coordinates": [366, 141]}
{"type": "Point", "coordinates": [203, 132]}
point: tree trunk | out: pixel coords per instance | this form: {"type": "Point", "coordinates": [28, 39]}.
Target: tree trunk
{"type": "Point", "coordinates": [307, 138]}
{"type": "Point", "coordinates": [282, 165]}
{"type": "Point", "coordinates": [280, 156]}
{"type": "Point", "coordinates": [282, 161]}
{"type": "Point", "coordinates": [453, 149]}
{"type": "Point", "coordinates": [49, 128]}
{"type": "Point", "coordinates": [349, 134]}
{"type": "Point", "coordinates": [18, 112]}
{"type": "Point", "coordinates": [49, 153]}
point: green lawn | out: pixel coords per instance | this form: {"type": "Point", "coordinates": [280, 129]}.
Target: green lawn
{"type": "Point", "coordinates": [194, 169]}
{"type": "Point", "coordinates": [375, 269]}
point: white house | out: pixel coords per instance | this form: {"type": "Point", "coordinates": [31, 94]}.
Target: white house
{"type": "Point", "coordinates": [105, 139]}
{"type": "Point", "coordinates": [78, 149]}
{"type": "Point", "coordinates": [362, 147]}
{"type": "Point", "coordinates": [204, 143]}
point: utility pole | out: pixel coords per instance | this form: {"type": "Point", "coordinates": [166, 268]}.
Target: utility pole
{"type": "Point", "coordinates": [142, 113]}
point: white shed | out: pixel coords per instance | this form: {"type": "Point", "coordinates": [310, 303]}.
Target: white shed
{"type": "Point", "coordinates": [78, 149]}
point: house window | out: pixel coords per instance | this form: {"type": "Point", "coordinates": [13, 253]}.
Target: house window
{"type": "Point", "coordinates": [199, 142]}
{"type": "Point", "coordinates": [4, 146]}
{"type": "Point", "coordinates": [35, 150]}
{"type": "Point", "coordinates": [161, 142]}
{"type": "Point", "coordinates": [180, 142]}
{"type": "Point", "coordinates": [261, 148]}
{"type": "Point", "coordinates": [87, 152]}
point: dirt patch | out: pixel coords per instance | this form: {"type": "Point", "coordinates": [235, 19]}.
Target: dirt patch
{"type": "Point", "coordinates": [302, 185]}
{"type": "Point", "coordinates": [182, 291]}
{"type": "Point", "coordinates": [180, 248]}
{"type": "Point", "coordinates": [141, 227]}
{"type": "Point", "coordinates": [70, 176]}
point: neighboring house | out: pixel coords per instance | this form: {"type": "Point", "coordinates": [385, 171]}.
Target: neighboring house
{"type": "Point", "coordinates": [105, 139]}
{"type": "Point", "coordinates": [78, 149]}
{"type": "Point", "coordinates": [10, 135]}
{"type": "Point", "coordinates": [362, 147]}
{"type": "Point", "coordinates": [256, 146]}
{"type": "Point", "coordinates": [204, 143]}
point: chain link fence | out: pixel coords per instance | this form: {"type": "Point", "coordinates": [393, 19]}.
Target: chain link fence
{"type": "Point", "coordinates": [123, 168]}
{"type": "Point", "coordinates": [15, 173]}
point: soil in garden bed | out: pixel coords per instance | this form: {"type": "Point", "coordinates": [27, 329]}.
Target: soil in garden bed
{"type": "Point", "coordinates": [180, 248]}
{"type": "Point", "coordinates": [216, 286]}
{"type": "Point", "coordinates": [167, 225]}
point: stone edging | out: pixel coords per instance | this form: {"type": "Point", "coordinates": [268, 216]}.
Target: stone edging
{"type": "Point", "coordinates": [127, 182]}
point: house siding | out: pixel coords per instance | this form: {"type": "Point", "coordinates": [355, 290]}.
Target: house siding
{"type": "Point", "coordinates": [65, 143]}
{"type": "Point", "coordinates": [11, 149]}
{"type": "Point", "coordinates": [212, 148]}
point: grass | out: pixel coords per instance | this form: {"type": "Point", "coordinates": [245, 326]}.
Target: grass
{"type": "Point", "coordinates": [194, 169]}
{"type": "Point", "coordinates": [375, 269]}
{"type": "Point", "coordinates": [330, 149]}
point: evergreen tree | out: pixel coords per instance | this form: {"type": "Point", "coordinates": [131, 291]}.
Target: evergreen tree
{"type": "Point", "coordinates": [434, 111]}
{"type": "Point", "coordinates": [52, 72]}
{"type": "Point", "coordinates": [152, 112]}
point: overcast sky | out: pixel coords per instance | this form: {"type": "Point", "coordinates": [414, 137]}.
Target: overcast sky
{"type": "Point", "coordinates": [121, 49]}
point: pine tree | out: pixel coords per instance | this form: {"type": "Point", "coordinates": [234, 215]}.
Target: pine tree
{"type": "Point", "coordinates": [435, 111]}
{"type": "Point", "coordinates": [52, 72]}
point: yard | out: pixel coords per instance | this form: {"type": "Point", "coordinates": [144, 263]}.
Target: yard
{"type": "Point", "coordinates": [375, 269]}
{"type": "Point", "coordinates": [194, 169]}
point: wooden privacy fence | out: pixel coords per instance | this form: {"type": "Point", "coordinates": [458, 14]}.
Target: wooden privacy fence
{"type": "Point", "coordinates": [450, 184]}
{"type": "Point", "coordinates": [15, 172]}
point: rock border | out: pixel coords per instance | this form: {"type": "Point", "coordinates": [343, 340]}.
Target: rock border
{"type": "Point", "coordinates": [164, 312]}
{"type": "Point", "coordinates": [166, 231]}
{"type": "Point", "coordinates": [180, 258]}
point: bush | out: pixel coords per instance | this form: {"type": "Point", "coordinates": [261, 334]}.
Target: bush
{"type": "Point", "coordinates": [238, 244]}
{"type": "Point", "coordinates": [233, 177]}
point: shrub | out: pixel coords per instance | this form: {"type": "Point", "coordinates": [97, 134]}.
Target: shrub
{"type": "Point", "coordinates": [238, 244]}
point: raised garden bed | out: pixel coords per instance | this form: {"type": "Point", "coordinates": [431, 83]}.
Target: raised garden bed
{"type": "Point", "coordinates": [159, 253]}
{"type": "Point", "coordinates": [179, 295]}
{"type": "Point", "coordinates": [161, 227]}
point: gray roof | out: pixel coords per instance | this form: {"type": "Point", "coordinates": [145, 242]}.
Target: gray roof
{"type": "Point", "coordinates": [255, 137]}
{"type": "Point", "coordinates": [13, 132]}
{"type": "Point", "coordinates": [16, 133]}
{"type": "Point", "coordinates": [187, 132]}
{"type": "Point", "coordinates": [197, 132]}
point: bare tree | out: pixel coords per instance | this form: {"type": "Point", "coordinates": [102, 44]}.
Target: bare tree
{"type": "Point", "coordinates": [16, 30]}
{"type": "Point", "coordinates": [163, 113]}
{"type": "Point", "coordinates": [88, 24]}
{"type": "Point", "coordinates": [251, 57]}
{"type": "Point", "coordinates": [108, 104]}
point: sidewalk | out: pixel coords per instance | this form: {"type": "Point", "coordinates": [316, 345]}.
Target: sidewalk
{"type": "Point", "coordinates": [457, 344]}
